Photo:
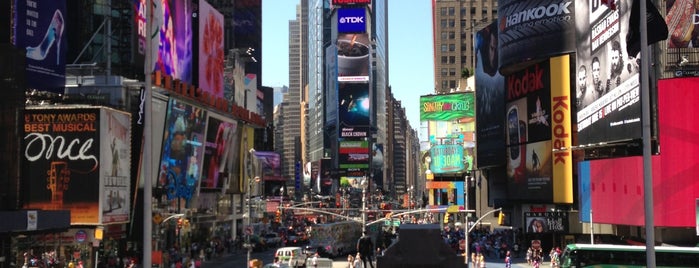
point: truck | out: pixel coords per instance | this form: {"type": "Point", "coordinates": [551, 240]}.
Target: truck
{"type": "Point", "coordinates": [335, 239]}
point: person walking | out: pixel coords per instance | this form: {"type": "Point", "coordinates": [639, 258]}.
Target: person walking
{"type": "Point", "coordinates": [508, 260]}
{"type": "Point", "coordinates": [357, 261]}
{"type": "Point", "coordinates": [366, 247]}
{"type": "Point", "coordinates": [350, 261]}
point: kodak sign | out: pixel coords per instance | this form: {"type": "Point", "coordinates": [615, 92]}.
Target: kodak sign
{"type": "Point", "coordinates": [561, 130]}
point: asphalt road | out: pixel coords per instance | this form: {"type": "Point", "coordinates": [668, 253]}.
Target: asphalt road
{"type": "Point", "coordinates": [239, 259]}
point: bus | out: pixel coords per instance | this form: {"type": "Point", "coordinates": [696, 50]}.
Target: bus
{"type": "Point", "coordinates": [605, 255]}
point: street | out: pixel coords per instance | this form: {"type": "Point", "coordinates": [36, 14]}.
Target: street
{"type": "Point", "coordinates": [239, 258]}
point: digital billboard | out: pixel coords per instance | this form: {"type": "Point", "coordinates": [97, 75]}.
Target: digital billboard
{"type": "Point", "coordinates": [350, 2]}
{"type": "Point", "coordinates": [354, 104]}
{"type": "Point", "coordinates": [490, 99]}
{"type": "Point", "coordinates": [527, 28]}
{"type": "Point", "coordinates": [40, 29]}
{"type": "Point", "coordinates": [78, 159]}
{"type": "Point", "coordinates": [681, 20]}
{"type": "Point", "coordinates": [211, 53]}
{"type": "Point", "coordinates": [538, 132]}
{"type": "Point", "coordinates": [351, 20]}
{"type": "Point", "coordinates": [219, 151]}
{"type": "Point", "coordinates": [448, 123]}
{"type": "Point", "coordinates": [269, 164]}
{"type": "Point", "coordinates": [174, 56]}
{"type": "Point", "coordinates": [354, 155]}
{"type": "Point", "coordinates": [353, 57]}
{"type": "Point", "coordinates": [182, 151]}
{"type": "Point", "coordinates": [608, 93]}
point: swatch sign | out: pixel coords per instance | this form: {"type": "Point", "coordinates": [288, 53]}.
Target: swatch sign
{"type": "Point", "coordinates": [351, 20]}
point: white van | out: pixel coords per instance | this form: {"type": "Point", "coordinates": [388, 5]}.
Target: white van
{"type": "Point", "coordinates": [293, 256]}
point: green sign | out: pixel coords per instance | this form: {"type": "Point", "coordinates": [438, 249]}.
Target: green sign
{"type": "Point", "coordinates": [447, 107]}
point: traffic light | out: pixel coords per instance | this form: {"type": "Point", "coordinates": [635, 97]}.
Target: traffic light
{"type": "Point", "coordinates": [446, 217]}
{"type": "Point", "coordinates": [501, 218]}
{"type": "Point", "coordinates": [278, 215]}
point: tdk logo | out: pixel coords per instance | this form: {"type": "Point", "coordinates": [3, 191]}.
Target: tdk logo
{"type": "Point", "coordinates": [352, 20]}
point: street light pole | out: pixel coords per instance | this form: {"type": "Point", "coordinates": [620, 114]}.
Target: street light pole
{"type": "Point", "coordinates": [248, 231]}
{"type": "Point", "coordinates": [364, 185]}
{"type": "Point", "coordinates": [466, 245]}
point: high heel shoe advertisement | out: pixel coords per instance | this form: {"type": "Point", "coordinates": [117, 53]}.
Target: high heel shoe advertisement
{"type": "Point", "coordinates": [41, 32]}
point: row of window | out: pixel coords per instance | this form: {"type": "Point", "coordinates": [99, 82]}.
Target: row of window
{"type": "Point", "coordinates": [451, 47]}
{"type": "Point", "coordinates": [446, 84]}
{"type": "Point", "coordinates": [451, 11]}
{"type": "Point", "coordinates": [452, 59]}
{"type": "Point", "coordinates": [451, 35]}
{"type": "Point", "coordinates": [449, 72]}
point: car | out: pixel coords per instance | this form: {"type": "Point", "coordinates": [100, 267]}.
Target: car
{"type": "Point", "coordinates": [272, 239]}
{"type": "Point", "coordinates": [292, 256]}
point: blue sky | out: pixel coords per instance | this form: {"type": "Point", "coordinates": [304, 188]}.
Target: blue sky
{"type": "Point", "coordinates": [410, 49]}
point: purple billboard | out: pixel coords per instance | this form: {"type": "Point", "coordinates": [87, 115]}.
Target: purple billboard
{"type": "Point", "coordinates": [40, 29]}
{"type": "Point", "coordinates": [175, 51]}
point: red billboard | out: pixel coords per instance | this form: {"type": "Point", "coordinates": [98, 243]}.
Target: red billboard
{"type": "Point", "coordinates": [210, 50]}
{"type": "Point", "coordinates": [619, 181]}
{"type": "Point", "coordinates": [219, 151]}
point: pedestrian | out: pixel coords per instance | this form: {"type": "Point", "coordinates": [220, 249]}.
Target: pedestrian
{"type": "Point", "coordinates": [350, 261]}
{"type": "Point", "coordinates": [357, 261]}
{"type": "Point", "coordinates": [366, 247]}
{"type": "Point", "coordinates": [481, 260]}
{"type": "Point", "coordinates": [508, 260]}
{"type": "Point", "coordinates": [314, 260]}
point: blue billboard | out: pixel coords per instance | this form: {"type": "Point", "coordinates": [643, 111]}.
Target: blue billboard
{"type": "Point", "coordinates": [351, 20]}
{"type": "Point", "coordinates": [40, 28]}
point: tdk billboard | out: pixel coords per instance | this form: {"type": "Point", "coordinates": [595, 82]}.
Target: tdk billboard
{"type": "Point", "coordinates": [351, 20]}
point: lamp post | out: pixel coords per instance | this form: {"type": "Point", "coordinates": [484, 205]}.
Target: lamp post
{"type": "Point", "coordinates": [248, 231]}
{"type": "Point", "coordinates": [364, 186]}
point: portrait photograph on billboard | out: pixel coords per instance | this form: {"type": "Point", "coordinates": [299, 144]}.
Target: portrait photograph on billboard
{"type": "Point", "coordinates": [490, 99]}
{"type": "Point", "coordinates": [546, 222]}
{"type": "Point", "coordinates": [220, 150]}
{"type": "Point", "coordinates": [354, 104]}
{"type": "Point", "coordinates": [182, 151]}
{"type": "Point", "coordinates": [447, 125]}
{"type": "Point", "coordinates": [608, 93]}
{"type": "Point", "coordinates": [353, 57]}
{"type": "Point", "coordinates": [174, 56]}
{"type": "Point", "coordinates": [527, 28]}
{"type": "Point", "coordinates": [61, 165]}
{"type": "Point", "coordinates": [210, 50]}
{"type": "Point", "coordinates": [116, 166]}
{"type": "Point", "coordinates": [40, 30]}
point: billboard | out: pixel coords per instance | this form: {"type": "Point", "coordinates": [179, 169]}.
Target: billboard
{"type": "Point", "coordinates": [353, 155]}
{"type": "Point", "coordinates": [351, 20]}
{"type": "Point", "coordinates": [174, 56]}
{"type": "Point", "coordinates": [182, 151]}
{"type": "Point", "coordinates": [331, 85]}
{"type": "Point", "coordinates": [354, 104]}
{"type": "Point", "coordinates": [269, 164]}
{"type": "Point", "coordinates": [608, 92]}
{"type": "Point", "coordinates": [219, 151]}
{"type": "Point", "coordinates": [490, 100]}
{"type": "Point", "coordinates": [527, 28]}
{"type": "Point", "coordinates": [538, 132]}
{"type": "Point", "coordinates": [210, 50]}
{"type": "Point", "coordinates": [78, 159]}
{"type": "Point", "coordinates": [40, 29]}
{"type": "Point", "coordinates": [353, 57]}
{"type": "Point", "coordinates": [681, 20]}
{"type": "Point", "coordinates": [115, 172]}
{"type": "Point", "coordinates": [546, 222]}
{"type": "Point", "coordinates": [448, 122]}
{"type": "Point", "coordinates": [350, 2]}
